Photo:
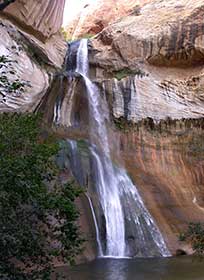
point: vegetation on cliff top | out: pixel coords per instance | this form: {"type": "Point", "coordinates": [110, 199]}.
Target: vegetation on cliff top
{"type": "Point", "coordinates": [69, 39]}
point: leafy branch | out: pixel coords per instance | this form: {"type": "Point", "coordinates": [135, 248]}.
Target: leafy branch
{"type": "Point", "coordinates": [195, 236]}
{"type": "Point", "coordinates": [10, 85]}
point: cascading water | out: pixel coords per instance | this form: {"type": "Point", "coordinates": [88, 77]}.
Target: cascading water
{"type": "Point", "coordinates": [106, 185]}
{"type": "Point", "coordinates": [129, 228]}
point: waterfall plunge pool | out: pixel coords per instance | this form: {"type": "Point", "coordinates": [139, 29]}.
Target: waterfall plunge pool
{"type": "Point", "coordinates": [176, 268]}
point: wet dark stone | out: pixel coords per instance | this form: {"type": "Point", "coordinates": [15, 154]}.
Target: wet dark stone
{"type": "Point", "coordinates": [180, 252]}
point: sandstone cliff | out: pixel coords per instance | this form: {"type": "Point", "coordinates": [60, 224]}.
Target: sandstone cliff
{"type": "Point", "coordinates": [30, 39]}
{"type": "Point", "coordinates": [150, 67]}
{"type": "Point", "coordinates": [154, 61]}
{"type": "Point", "coordinates": [43, 17]}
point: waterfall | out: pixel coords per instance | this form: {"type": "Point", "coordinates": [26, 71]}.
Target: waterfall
{"type": "Point", "coordinates": [76, 167]}
{"type": "Point", "coordinates": [106, 185]}
{"type": "Point", "coordinates": [129, 228]}
{"type": "Point", "coordinates": [100, 254]}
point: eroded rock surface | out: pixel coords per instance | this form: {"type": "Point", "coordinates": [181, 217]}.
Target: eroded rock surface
{"type": "Point", "coordinates": [151, 63]}
{"type": "Point", "coordinates": [35, 53]}
{"type": "Point", "coordinates": [158, 94]}
{"type": "Point", "coordinates": [166, 162]}
{"type": "Point", "coordinates": [44, 17]}
{"type": "Point", "coordinates": [150, 66]}
{"type": "Point", "coordinates": [171, 36]}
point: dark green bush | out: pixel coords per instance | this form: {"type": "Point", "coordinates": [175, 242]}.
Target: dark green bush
{"type": "Point", "coordinates": [36, 209]}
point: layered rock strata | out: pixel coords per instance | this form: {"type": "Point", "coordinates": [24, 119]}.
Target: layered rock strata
{"type": "Point", "coordinates": [173, 36]}
{"type": "Point", "coordinates": [43, 17]}
{"type": "Point", "coordinates": [152, 63]}
{"type": "Point", "coordinates": [166, 161]}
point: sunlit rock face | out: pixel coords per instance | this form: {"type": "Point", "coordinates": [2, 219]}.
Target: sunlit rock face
{"type": "Point", "coordinates": [172, 36]}
{"type": "Point", "coordinates": [44, 17]}
{"type": "Point", "coordinates": [96, 16]}
{"type": "Point", "coordinates": [29, 39]}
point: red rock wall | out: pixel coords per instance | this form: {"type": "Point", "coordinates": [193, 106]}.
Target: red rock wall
{"type": "Point", "coordinates": [94, 17]}
{"type": "Point", "coordinates": [168, 169]}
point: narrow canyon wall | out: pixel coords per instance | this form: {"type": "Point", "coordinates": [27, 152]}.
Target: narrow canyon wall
{"type": "Point", "coordinates": [30, 40]}
{"type": "Point", "coordinates": [43, 17]}
{"type": "Point", "coordinates": [150, 68]}
{"type": "Point", "coordinates": [149, 65]}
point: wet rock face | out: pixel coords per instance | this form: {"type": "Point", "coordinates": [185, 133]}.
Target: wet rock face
{"type": "Point", "coordinates": [158, 95]}
{"type": "Point", "coordinates": [43, 17]}
{"type": "Point", "coordinates": [151, 67]}
{"type": "Point", "coordinates": [166, 162]}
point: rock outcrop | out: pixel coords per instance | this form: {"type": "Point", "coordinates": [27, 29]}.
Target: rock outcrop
{"type": "Point", "coordinates": [30, 39]}
{"type": "Point", "coordinates": [173, 36]}
{"type": "Point", "coordinates": [158, 94]}
{"type": "Point", "coordinates": [158, 58]}
{"type": "Point", "coordinates": [41, 17]}
{"type": "Point", "coordinates": [149, 66]}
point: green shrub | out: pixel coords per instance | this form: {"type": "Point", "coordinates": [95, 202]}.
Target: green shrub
{"type": "Point", "coordinates": [9, 83]}
{"type": "Point", "coordinates": [121, 74]}
{"type": "Point", "coordinates": [88, 35]}
{"type": "Point", "coordinates": [31, 198]}
{"type": "Point", "coordinates": [195, 236]}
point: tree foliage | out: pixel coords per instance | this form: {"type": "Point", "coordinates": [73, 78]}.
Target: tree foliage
{"type": "Point", "coordinates": [195, 236]}
{"type": "Point", "coordinates": [9, 83]}
{"type": "Point", "coordinates": [37, 211]}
